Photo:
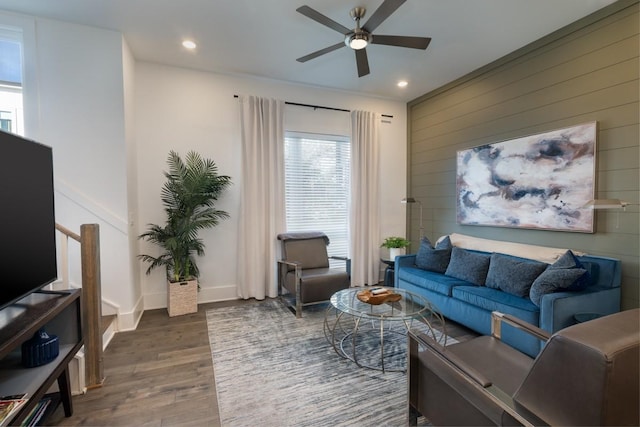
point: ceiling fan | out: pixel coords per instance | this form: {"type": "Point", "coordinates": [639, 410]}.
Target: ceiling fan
{"type": "Point", "coordinates": [358, 38]}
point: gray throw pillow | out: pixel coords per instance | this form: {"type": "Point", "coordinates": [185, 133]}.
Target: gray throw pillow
{"type": "Point", "coordinates": [554, 280]}
{"type": "Point", "coordinates": [567, 261]}
{"type": "Point", "coordinates": [566, 274]}
{"type": "Point", "coordinates": [469, 266]}
{"type": "Point", "coordinates": [434, 259]}
{"type": "Point", "coordinates": [513, 275]}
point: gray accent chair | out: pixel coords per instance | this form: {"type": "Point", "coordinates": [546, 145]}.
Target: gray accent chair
{"type": "Point", "coordinates": [304, 272]}
{"type": "Point", "coordinates": [586, 374]}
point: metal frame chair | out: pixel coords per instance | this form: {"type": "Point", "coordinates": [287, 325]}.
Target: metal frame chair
{"type": "Point", "coordinates": [304, 271]}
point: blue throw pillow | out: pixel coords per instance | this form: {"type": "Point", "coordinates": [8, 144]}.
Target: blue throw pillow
{"type": "Point", "coordinates": [513, 275]}
{"type": "Point", "coordinates": [434, 259]}
{"type": "Point", "coordinates": [554, 280]}
{"type": "Point", "coordinates": [568, 261]}
{"type": "Point", "coordinates": [469, 266]}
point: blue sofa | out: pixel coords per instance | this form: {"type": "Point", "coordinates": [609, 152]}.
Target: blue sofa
{"type": "Point", "coordinates": [471, 305]}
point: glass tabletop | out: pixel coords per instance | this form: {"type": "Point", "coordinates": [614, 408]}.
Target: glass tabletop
{"type": "Point", "coordinates": [410, 305]}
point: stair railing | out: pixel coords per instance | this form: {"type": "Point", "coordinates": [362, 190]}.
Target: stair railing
{"type": "Point", "coordinates": [89, 239]}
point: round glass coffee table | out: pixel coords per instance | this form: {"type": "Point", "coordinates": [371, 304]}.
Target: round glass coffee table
{"type": "Point", "coordinates": [375, 336]}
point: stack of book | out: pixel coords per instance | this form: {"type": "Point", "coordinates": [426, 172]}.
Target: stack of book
{"type": "Point", "coordinates": [37, 412]}
{"type": "Point", "coordinates": [9, 407]}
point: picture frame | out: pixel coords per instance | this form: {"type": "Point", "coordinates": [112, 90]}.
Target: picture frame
{"type": "Point", "coordinates": [542, 181]}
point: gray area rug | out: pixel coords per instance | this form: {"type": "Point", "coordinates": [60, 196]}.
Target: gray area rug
{"type": "Point", "coordinates": [272, 369]}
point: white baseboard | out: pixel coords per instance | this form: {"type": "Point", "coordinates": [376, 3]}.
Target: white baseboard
{"type": "Point", "coordinates": [129, 321]}
{"type": "Point", "coordinates": [218, 293]}
{"type": "Point", "coordinates": [213, 294]}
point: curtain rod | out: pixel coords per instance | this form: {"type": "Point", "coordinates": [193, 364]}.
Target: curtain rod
{"type": "Point", "coordinates": [323, 108]}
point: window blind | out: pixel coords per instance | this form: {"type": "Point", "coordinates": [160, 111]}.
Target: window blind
{"type": "Point", "coordinates": [317, 174]}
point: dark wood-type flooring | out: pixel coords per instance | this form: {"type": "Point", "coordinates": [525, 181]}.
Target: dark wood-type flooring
{"type": "Point", "coordinates": [161, 374]}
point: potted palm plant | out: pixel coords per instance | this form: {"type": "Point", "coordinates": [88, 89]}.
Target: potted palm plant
{"type": "Point", "coordinates": [396, 246]}
{"type": "Point", "coordinates": [189, 195]}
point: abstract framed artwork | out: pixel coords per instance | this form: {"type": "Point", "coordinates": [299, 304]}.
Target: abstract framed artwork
{"type": "Point", "coordinates": [539, 181]}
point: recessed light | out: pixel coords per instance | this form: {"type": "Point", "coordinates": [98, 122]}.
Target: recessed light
{"type": "Point", "coordinates": [402, 83]}
{"type": "Point", "coordinates": [189, 44]}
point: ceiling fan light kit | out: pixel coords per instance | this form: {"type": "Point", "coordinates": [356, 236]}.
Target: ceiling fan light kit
{"type": "Point", "coordinates": [357, 41]}
{"type": "Point", "coordinates": [189, 44]}
{"type": "Point", "coordinates": [360, 37]}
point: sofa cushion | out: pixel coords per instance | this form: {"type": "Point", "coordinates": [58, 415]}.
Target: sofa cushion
{"type": "Point", "coordinates": [512, 274]}
{"type": "Point", "coordinates": [433, 281]}
{"type": "Point", "coordinates": [497, 300]}
{"type": "Point", "coordinates": [434, 259]}
{"type": "Point", "coordinates": [554, 280]}
{"type": "Point", "coordinates": [469, 266]}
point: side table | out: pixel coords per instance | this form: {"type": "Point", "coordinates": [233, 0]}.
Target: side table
{"type": "Point", "coordinates": [389, 272]}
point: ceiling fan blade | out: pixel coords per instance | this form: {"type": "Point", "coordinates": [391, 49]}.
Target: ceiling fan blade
{"type": "Point", "coordinates": [320, 18]}
{"type": "Point", "coordinates": [321, 52]}
{"type": "Point", "coordinates": [402, 41]}
{"type": "Point", "coordinates": [362, 62]}
{"type": "Point", "coordinates": [382, 13]}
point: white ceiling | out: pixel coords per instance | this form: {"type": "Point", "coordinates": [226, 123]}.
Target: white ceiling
{"type": "Point", "coordinates": [264, 37]}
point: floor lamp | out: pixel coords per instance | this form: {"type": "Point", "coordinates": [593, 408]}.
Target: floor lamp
{"type": "Point", "coordinates": [411, 200]}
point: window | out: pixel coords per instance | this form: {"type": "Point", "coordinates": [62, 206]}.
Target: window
{"type": "Point", "coordinates": [11, 81]}
{"type": "Point", "coordinates": [5, 121]}
{"type": "Point", "coordinates": [11, 64]}
{"type": "Point", "coordinates": [317, 174]}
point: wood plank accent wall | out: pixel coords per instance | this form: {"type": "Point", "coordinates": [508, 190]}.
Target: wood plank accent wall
{"type": "Point", "coordinates": [584, 72]}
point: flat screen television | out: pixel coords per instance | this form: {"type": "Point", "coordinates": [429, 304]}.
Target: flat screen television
{"type": "Point", "coordinates": [27, 219]}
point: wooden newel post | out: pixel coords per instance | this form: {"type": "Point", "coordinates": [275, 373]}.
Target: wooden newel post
{"type": "Point", "coordinates": [91, 304]}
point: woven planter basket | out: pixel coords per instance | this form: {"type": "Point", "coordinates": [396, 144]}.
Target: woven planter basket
{"type": "Point", "coordinates": [182, 297]}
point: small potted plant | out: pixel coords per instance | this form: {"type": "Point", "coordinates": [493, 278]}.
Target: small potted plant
{"type": "Point", "coordinates": [188, 195]}
{"type": "Point", "coordinates": [396, 246]}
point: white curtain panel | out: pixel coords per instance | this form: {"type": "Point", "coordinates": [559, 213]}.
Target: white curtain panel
{"type": "Point", "coordinates": [262, 211]}
{"type": "Point", "coordinates": [365, 206]}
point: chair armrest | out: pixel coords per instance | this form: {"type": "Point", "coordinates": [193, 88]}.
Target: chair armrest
{"type": "Point", "coordinates": [497, 318]}
{"type": "Point", "coordinates": [289, 263]}
{"type": "Point", "coordinates": [346, 260]}
{"type": "Point", "coordinates": [463, 372]}
{"type": "Point", "coordinates": [435, 347]}
{"type": "Point", "coordinates": [297, 268]}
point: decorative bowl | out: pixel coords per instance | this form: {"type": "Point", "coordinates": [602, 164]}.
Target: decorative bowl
{"type": "Point", "coordinates": [367, 297]}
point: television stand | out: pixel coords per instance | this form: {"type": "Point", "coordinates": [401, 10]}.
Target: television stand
{"type": "Point", "coordinates": [59, 314]}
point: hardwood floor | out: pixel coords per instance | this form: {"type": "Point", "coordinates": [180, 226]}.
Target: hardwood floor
{"type": "Point", "coordinates": [161, 374]}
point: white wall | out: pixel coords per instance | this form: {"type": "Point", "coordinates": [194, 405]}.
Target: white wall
{"type": "Point", "coordinates": [81, 110]}
{"type": "Point", "coordinates": [182, 110]}
{"type": "Point", "coordinates": [81, 115]}
{"type": "Point", "coordinates": [74, 102]}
